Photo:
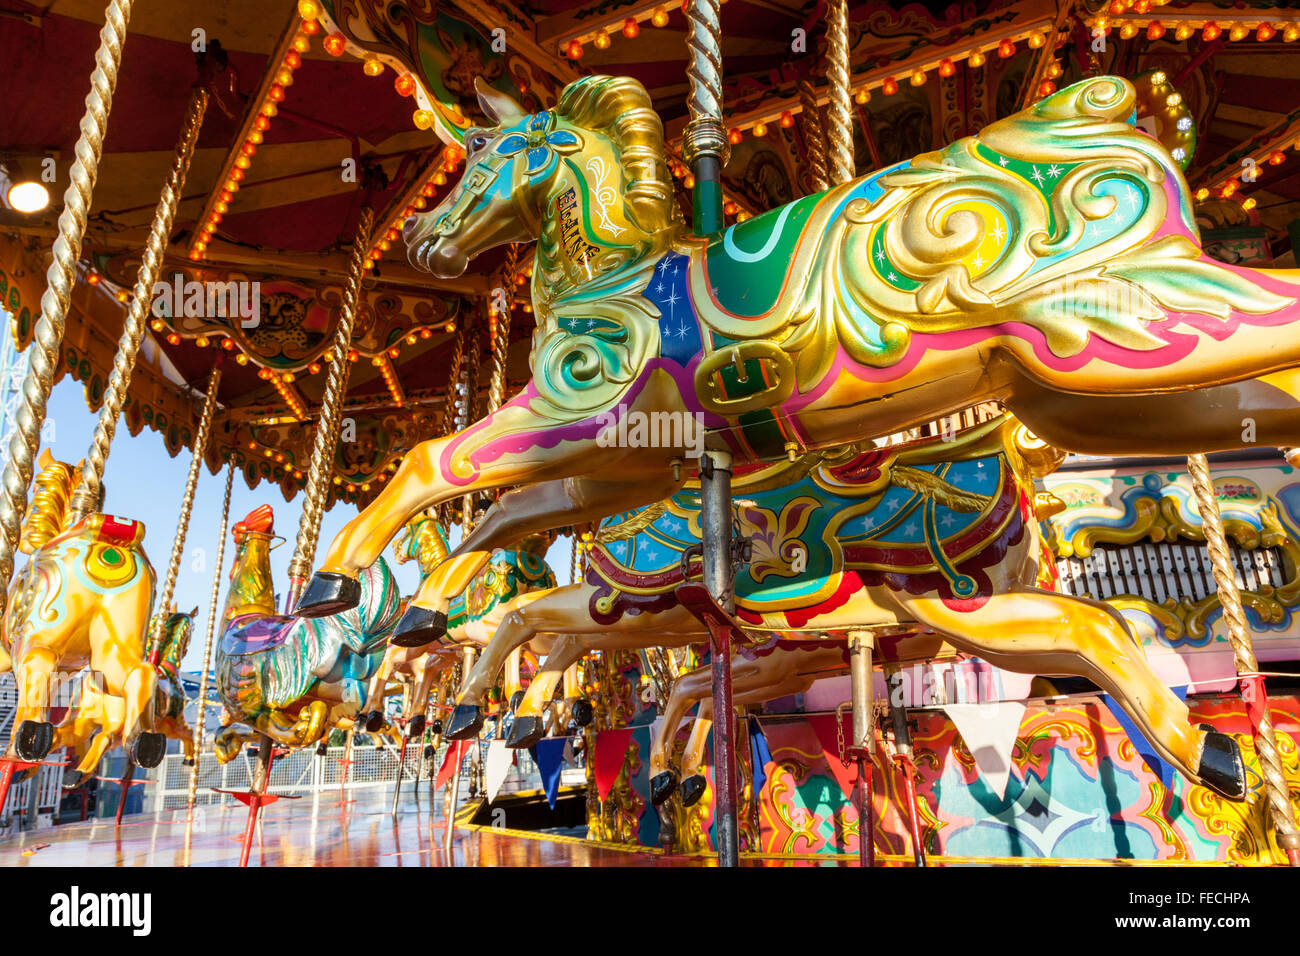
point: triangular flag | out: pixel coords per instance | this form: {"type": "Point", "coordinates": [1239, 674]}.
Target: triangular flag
{"type": "Point", "coordinates": [611, 753]}
{"type": "Point", "coordinates": [760, 754]}
{"type": "Point", "coordinates": [548, 754]}
{"type": "Point", "coordinates": [450, 761]}
{"type": "Point", "coordinates": [1148, 753]}
{"type": "Point", "coordinates": [990, 734]}
{"type": "Point", "coordinates": [499, 759]}
{"type": "Point", "coordinates": [824, 726]}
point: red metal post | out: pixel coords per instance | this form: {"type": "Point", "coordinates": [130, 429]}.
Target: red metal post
{"type": "Point", "coordinates": [125, 785]}
{"type": "Point", "coordinates": [866, 826]}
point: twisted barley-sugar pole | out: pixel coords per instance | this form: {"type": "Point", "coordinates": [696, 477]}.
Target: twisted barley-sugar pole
{"type": "Point", "coordinates": [86, 498]}
{"type": "Point", "coordinates": [1216, 543]}
{"type": "Point", "coordinates": [704, 145]}
{"type": "Point", "coordinates": [839, 129]}
{"type": "Point", "coordinates": [43, 358]}
{"type": "Point", "coordinates": [187, 507]}
{"type": "Point", "coordinates": [814, 137]}
{"type": "Point", "coordinates": [450, 415]}
{"type": "Point", "coordinates": [473, 357]}
{"type": "Point", "coordinates": [205, 663]}
{"type": "Point", "coordinates": [499, 332]}
{"type": "Point", "coordinates": [325, 440]}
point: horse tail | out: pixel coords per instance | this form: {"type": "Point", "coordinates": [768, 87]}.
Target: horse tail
{"type": "Point", "coordinates": [49, 510]}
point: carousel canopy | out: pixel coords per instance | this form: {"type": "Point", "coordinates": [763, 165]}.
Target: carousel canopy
{"type": "Point", "coordinates": [321, 108]}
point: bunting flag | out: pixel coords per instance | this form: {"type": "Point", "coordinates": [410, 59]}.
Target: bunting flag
{"type": "Point", "coordinates": [990, 734]}
{"type": "Point", "coordinates": [548, 754]}
{"type": "Point", "coordinates": [760, 754]}
{"type": "Point", "coordinates": [499, 760]}
{"type": "Point", "coordinates": [824, 726]}
{"type": "Point", "coordinates": [1148, 753]}
{"type": "Point", "coordinates": [611, 753]}
{"type": "Point", "coordinates": [1253, 695]}
{"type": "Point", "coordinates": [450, 760]}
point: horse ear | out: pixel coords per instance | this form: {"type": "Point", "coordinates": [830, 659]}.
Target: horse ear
{"type": "Point", "coordinates": [194, 613]}
{"type": "Point", "coordinates": [498, 106]}
{"type": "Point", "coordinates": [46, 459]}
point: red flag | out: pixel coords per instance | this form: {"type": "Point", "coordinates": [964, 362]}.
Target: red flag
{"type": "Point", "coordinates": [824, 726]}
{"type": "Point", "coordinates": [611, 752]}
{"type": "Point", "coordinates": [450, 762]}
{"type": "Point", "coordinates": [1255, 697]}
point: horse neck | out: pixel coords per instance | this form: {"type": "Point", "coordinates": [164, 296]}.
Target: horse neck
{"type": "Point", "coordinates": [251, 590]}
{"type": "Point", "coordinates": [431, 547]}
{"type": "Point", "coordinates": [173, 646]}
{"type": "Point", "coordinates": [585, 245]}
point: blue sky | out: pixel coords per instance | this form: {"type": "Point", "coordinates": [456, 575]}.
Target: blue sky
{"type": "Point", "coordinates": [143, 482]}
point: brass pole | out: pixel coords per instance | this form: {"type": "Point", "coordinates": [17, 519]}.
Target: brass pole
{"type": "Point", "coordinates": [704, 143]}
{"type": "Point", "coordinates": [44, 357]}
{"type": "Point", "coordinates": [839, 132]}
{"type": "Point", "coordinates": [451, 417]}
{"type": "Point", "coordinates": [325, 440]}
{"type": "Point", "coordinates": [473, 357]}
{"type": "Point", "coordinates": [1216, 543]}
{"type": "Point", "coordinates": [187, 506]}
{"type": "Point", "coordinates": [499, 331]}
{"type": "Point", "coordinates": [200, 720]}
{"type": "Point", "coordinates": [86, 498]}
{"type": "Point", "coordinates": [814, 135]}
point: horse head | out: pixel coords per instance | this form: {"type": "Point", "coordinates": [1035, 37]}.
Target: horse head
{"type": "Point", "coordinates": [598, 155]}
{"type": "Point", "coordinates": [421, 539]}
{"type": "Point", "coordinates": [177, 631]}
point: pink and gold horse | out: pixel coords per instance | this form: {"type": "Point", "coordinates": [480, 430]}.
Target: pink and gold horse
{"type": "Point", "coordinates": [1051, 263]}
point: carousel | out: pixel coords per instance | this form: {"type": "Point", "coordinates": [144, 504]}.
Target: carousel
{"type": "Point", "coordinates": [910, 390]}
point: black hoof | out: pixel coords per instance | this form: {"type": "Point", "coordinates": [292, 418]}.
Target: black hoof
{"type": "Point", "coordinates": [466, 721]}
{"type": "Point", "coordinates": [583, 713]}
{"type": "Point", "coordinates": [374, 722]}
{"type": "Point", "coordinates": [419, 626]}
{"type": "Point", "coordinates": [693, 788]}
{"type": "Point", "coordinates": [149, 750]}
{"type": "Point", "coordinates": [662, 786]}
{"type": "Point", "coordinates": [429, 751]}
{"type": "Point", "coordinates": [328, 592]}
{"type": "Point", "coordinates": [416, 726]}
{"type": "Point", "coordinates": [435, 728]}
{"type": "Point", "coordinates": [323, 748]}
{"type": "Point", "coordinates": [73, 778]}
{"type": "Point", "coordinates": [525, 732]}
{"type": "Point", "coordinates": [187, 762]}
{"type": "Point", "coordinates": [1221, 769]}
{"type": "Point", "coordinates": [34, 740]}
{"type": "Point", "coordinates": [516, 699]}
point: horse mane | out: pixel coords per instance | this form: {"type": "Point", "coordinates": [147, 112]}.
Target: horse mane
{"type": "Point", "coordinates": [619, 107]}
{"type": "Point", "coordinates": [48, 514]}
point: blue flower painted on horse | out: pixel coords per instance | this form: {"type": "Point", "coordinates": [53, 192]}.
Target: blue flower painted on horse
{"type": "Point", "coordinates": [538, 135]}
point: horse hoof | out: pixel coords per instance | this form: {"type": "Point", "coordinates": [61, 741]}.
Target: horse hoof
{"type": "Point", "coordinates": [516, 699]}
{"type": "Point", "coordinates": [374, 722]}
{"type": "Point", "coordinates": [466, 720]}
{"type": "Point", "coordinates": [693, 788]}
{"type": "Point", "coordinates": [323, 748]}
{"type": "Point", "coordinates": [525, 732]}
{"type": "Point", "coordinates": [662, 786]}
{"type": "Point", "coordinates": [429, 751]}
{"type": "Point", "coordinates": [583, 713]}
{"type": "Point", "coordinates": [415, 728]}
{"type": "Point", "coordinates": [1221, 769]}
{"type": "Point", "coordinates": [419, 626]}
{"type": "Point", "coordinates": [74, 778]}
{"type": "Point", "coordinates": [328, 592]}
{"type": "Point", "coordinates": [435, 728]}
{"type": "Point", "coordinates": [34, 740]}
{"type": "Point", "coordinates": [149, 750]}
{"type": "Point", "coordinates": [187, 762]}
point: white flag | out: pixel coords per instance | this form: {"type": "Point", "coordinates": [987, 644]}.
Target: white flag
{"type": "Point", "coordinates": [499, 759]}
{"type": "Point", "coordinates": [990, 734]}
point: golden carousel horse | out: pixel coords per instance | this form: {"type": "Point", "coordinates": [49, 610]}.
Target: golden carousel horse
{"type": "Point", "coordinates": [926, 542]}
{"type": "Point", "coordinates": [1051, 262]}
{"type": "Point", "coordinates": [82, 600]}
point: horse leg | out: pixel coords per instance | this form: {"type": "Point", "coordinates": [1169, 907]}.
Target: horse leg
{"type": "Point", "coordinates": [505, 448]}
{"type": "Point", "coordinates": [33, 734]}
{"type": "Point", "coordinates": [528, 725]}
{"type": "Point", "coordinates": [1041, 632]}
{"type": "Point", "coordinates": [517, 513]}
{"type": "Point", "coordinates": [687, 689]}
{"type": "Point", "coordinates": [114, 635]}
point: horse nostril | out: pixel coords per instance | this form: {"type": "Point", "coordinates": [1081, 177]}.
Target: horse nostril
{"type": "Point", "coordinates": [408, 227]}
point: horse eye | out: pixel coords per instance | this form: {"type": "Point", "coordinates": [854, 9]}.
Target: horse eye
{"type": "Point", "coordinates": [477, 143]}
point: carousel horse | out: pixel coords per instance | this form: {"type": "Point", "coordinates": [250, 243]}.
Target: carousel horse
{"type": "Point", "coordinates": [1051, 262]}
{"type": "Point", "coordinates": [938, 537]}
{"type": "Point", "coordinates": [82, 600]}
{"type": "Point", "coordinates": [474, 614]}
{"type": "Point", "coordinates": [168, 706]}
{"type": "Point", "coordinates": [288, 677]}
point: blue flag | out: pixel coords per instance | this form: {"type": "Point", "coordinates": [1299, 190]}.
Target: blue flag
{"type": "Point", "coordinates": [548, 754]}
{"type": "Point", "coordinates": [760, 753]}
